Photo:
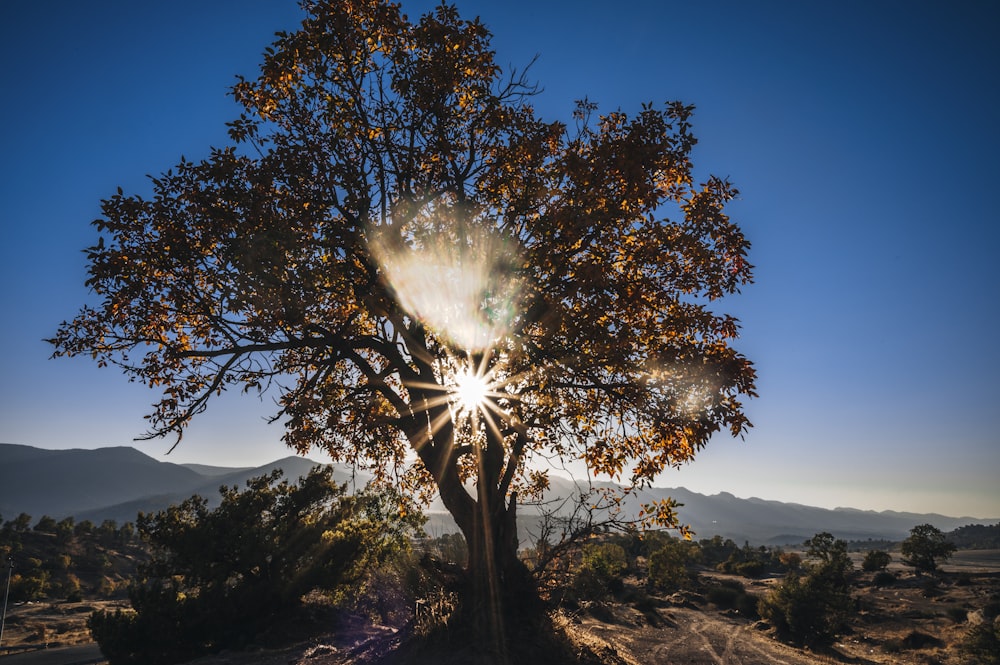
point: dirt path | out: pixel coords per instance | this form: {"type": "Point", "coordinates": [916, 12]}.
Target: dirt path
{"type": "Point", "coordinates": [694, 637]}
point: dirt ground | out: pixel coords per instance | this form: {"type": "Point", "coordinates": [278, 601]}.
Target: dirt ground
{"type": "Point", "coordinates": [908, 623]}
{"type": "Point", "coordinates": [53, 624]}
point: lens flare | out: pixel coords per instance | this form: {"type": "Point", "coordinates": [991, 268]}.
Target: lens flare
{"type": "Point", "coordinates": [457, 279]}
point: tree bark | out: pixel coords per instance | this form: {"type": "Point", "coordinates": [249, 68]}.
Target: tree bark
{"type": "Point", "coordinates": [498, 606]}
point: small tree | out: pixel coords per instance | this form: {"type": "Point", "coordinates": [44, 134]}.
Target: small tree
{"type": "Point", "coordinates": [218, 577]}
{"type": "Point", "coordinates": [811, 609]}
{"type": "Point", "coordinates": [46, 524]}
{"type": "Point", "coordinates": [668, 565]}
{"type": "Point", "coordinates": [925, 547]}
{"type": "Point", "coordinates": [600, 571]}
{"type": "Point", "coordinates": [65, 529]}
{"type": "Point", "coordinates": [875, 560]}
{"type": "Point", "coordinates": [21, 523]}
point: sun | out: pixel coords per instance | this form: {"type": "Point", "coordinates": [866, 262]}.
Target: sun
{"type": "Point", "coordinates": [470, 391]}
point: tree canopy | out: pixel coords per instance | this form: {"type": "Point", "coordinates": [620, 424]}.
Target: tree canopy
{"type": "Point", "coordinates": [438, 285]}
{"type": "Point", "coordinates": [924, 547]}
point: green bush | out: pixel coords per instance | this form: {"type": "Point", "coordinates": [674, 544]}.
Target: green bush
{"type": "Point", "coordinates": [812, 609]}
{"type": "Point", "coordinates": [875, 560]}
{"type": "Point", "coordinates": [803, 612]}
{"type": "Point", "coordinates": [731, 595]}
{"type": "Point", "coordinates": [600, 572]}
{"type": "Point", "coordinates": [749, 568]}
{"type": "Point", "coordinates": [219, 577]}
{"type": "Point", "coordinates": [668, 566]}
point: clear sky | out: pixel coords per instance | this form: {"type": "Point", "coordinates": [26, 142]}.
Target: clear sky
{"type": "Point", "coordinates": [863, 135]}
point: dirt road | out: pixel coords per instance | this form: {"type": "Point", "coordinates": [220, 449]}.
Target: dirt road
{"type": "Point", "coordinates": [690, 636]}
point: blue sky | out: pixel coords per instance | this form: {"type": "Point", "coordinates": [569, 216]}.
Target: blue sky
{"type": "Point", "coordinates": [862, 135]}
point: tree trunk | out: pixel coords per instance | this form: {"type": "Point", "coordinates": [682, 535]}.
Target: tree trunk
{"type": "Point", "coordinates": [499, 605]}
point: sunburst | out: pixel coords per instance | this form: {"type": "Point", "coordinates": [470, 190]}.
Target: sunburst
{"type": "Point", "coordinates": [471, 391]}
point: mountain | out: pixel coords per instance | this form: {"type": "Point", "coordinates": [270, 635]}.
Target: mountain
{"type": "Point", "coordinates": [114, 483]}
{"type": "Point", "coordinates": [60, 483]}
{"type": "Point", "coordinates": [758, 521]}
{"type": "Point", "coordinates": [117, 483]}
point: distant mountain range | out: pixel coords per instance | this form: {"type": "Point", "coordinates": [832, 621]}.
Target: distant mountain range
{"type": "Point", "coordinates": [117, 483]}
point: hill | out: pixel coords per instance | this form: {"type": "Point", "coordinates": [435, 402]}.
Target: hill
{"type": "Point", "coordinates": [117, 483]}
{"type": "Point", "coordinates": [114, 483]}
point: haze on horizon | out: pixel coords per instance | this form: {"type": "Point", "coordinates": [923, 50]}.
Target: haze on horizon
{"type": "Point", "coordinates": [862, 138]}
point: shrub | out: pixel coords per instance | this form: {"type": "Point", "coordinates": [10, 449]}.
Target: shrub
{"type": "Point", "coordinates": [875, 560]}
{"type": "Point", "coordinates": [790, 560]}
{"type": "Point", "coordinates": [668, 566]}
{"type": "Point", "coordinates": [811, 609]}
{"type": "Point", "coordinates": [749, 568]}
{"type": "Point", "coordinates": [723, 596]}
{"type": "Point", "coordinates": [883, 578]}
{"type": "Point", "coordinates": [731, 595]}
{"type": "Point", "coordinates": [802, 610]}
{"type": "Point", "coordinates": [219, 577]}
{"type": "Point", "coordinates": [600, 571]}
{"type": "Point", "coordinates": [982, 643]}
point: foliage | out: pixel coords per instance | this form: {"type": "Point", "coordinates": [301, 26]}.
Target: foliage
{"type": "Point", "coordinates": [450, 547]}
{"type": "Point", "coordinates": [925, 547]}
{"type": "Point", "coordinates": [732, 595]}
{"type": "Point", "coordinates": [811, 609]}
{"type": "Point", "coordinates": [46, 524]}
{"type": "Point", "coordinates": [716, 550]}
{"type": "Point", "coordinates": [982, 643]}
{"type": "Point", "coordinates": [218, 577]}
{"type": "Point", "coordinates": [976, 537]}
{"type": "Point", "coordinates": [391, 225]}
{"type": "Point", "coordinates": [600, 572]}
{"type": "Point", "coordinates": [51, 562]}
{"type": "Point", "coordinates": [790, 560]}
{"type": "Point", "coordinates": [883, 578]}
{"type": "Point", "coordinates": [669, 565]}
{"type": "Point", "coordinates": [875, 560]}
{"type": "Point", "coordinates": [754, 561]}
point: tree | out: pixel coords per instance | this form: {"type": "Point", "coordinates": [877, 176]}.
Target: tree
{"type": "Point", "coordinates": [600, 573]}
{"type": "Point", "coordinates": [668, 564]}
{"type": "Point", "coordinates": [440, 286]}
{"type": "Point", "coordinates": [21, 523]}
{"type": "Point", "coordinates": [46, 524]}
{"type": "Point", "coordinates": [218, 577]}
{"type": "Point", "coordinates": [924, 547]}
{"type": "Point", "coordinates": [811, 609]}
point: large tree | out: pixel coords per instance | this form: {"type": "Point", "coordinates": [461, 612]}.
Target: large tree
{"type": "Point", "coordinates": [439, 286]}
